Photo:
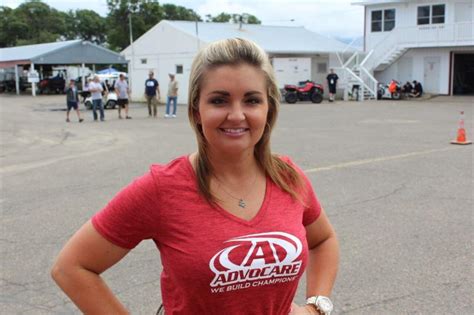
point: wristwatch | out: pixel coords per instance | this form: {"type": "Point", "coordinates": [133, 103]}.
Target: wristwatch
{"type": "Point", "coordinates": [322, 303]}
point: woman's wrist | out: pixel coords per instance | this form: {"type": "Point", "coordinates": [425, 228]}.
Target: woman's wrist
{"type": "Point", "coordinates": [312, 309]}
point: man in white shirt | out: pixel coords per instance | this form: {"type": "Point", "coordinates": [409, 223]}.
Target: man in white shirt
{"type": "Point", "coordinates": [123, 94]}
{"type": "Point", "coordinates": [96, 94]}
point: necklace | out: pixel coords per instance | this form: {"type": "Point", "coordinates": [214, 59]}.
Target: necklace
{"type": "Point", "coordinates": [241, 200]}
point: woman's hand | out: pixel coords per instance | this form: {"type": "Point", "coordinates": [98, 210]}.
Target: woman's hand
{"type": "Point", "coordinates": [303, 310]}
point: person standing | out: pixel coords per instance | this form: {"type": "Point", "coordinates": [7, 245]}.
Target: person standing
{"type": "Point", "coordinates": [152, 94]}
{"type": "Point", "coordinates": [236, 226]}
{"type": "Point", "coordinates": [332, 84]}
{"type": "Point", "coordinates": [72, 99]}
{"type": "Point", "coordinates": [96, 94]}
{"type": "Point", "coordinates": [123, 94]}
{"type": "Point", "coordinates": [172, 96]}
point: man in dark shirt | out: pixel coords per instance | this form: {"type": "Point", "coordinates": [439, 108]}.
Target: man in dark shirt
{"type": "Point", "coordinates": [152, 94]}
{"type": "Point", "coordinates": [417, 89]}
{"type": "Point", "coordinates": [332, 84]}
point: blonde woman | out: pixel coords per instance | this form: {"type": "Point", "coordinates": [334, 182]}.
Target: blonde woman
{"type": "Point", "coordinates": [236, 226]}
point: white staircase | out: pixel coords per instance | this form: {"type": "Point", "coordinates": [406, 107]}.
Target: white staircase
{"type": "Point", "coordinates": [360, 84]}
{"type": "Point", "coordinates": [391, 57]}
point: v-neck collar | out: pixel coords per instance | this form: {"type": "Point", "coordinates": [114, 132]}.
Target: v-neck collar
{"type": "Point", "coordinates": [253, 221]}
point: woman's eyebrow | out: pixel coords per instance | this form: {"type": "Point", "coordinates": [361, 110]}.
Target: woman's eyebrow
{"type": "Point", "coordinates": [220, 92]}
{"type": "Point", "coordinates": [225, 93]}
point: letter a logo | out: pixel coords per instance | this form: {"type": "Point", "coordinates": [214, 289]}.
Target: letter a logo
{"type": "Point", "coordinates": [260, 254]}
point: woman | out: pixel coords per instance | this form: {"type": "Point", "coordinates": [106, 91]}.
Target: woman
{"type": "Point", "coordinates": [235, 225]}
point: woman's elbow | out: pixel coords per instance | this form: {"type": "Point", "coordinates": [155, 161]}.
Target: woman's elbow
{"type": "Point", "coordinates": [61, 271]}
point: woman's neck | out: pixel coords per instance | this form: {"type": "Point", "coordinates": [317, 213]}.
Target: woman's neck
{"type": "Point", "coordinates": [232, 167]}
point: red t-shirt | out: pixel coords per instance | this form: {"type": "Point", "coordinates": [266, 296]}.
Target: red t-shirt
{"type": "Point", "coordinates": [213, 262]}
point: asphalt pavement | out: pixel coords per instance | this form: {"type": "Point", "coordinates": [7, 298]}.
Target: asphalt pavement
{"type": "Point", "coordinates": [398, 193]}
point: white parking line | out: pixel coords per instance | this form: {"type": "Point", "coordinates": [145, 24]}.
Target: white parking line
{"type": "Point", "coordinates": [380, 159]}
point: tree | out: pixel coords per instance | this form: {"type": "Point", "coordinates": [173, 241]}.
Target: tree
{"type": "Point", "coordinates": [44, 23]}
{"type": "Point", "coordinates": [144, 15]}
{"type": "Point", "coordinates": [179, 13]}
{"type": "Point", "coordinates": [32, 22]}
{"type": "Point", "coordinates": [221, 18]}
{"type": "Point", "coordinates": [233, 18]}
{"type": "Point", "coordinates": [87, 25]}
{"type": "Point", "coordinates": [11, 27]}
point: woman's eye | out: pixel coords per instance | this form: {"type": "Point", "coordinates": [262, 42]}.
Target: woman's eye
{"type": "Point", "coordinates": [217, 101]}
{"type": "Point", "coordinates": [254, 101]}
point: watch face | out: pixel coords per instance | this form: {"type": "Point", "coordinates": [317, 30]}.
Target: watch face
{"type": "Point", "coordinates": [324, 304]}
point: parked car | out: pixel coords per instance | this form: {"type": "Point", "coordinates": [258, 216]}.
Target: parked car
{"type": "Point", "coordinates": [305, 91]}
{"type": "Point", "coordinates": [8, 82]}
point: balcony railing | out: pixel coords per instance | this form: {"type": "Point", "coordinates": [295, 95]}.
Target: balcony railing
{"type": "Point", "coordinates": [433, 35]}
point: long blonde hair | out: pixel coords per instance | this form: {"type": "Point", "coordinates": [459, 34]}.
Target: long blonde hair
{"type": "Point", "coordinates": [233, 52]}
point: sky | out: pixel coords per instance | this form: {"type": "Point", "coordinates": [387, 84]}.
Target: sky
{"type": "Point", "coordinates": [333, 18]}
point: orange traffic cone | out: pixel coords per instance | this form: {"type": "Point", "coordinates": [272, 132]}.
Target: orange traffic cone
{"type": "Point", "coordinates": [461, 138]}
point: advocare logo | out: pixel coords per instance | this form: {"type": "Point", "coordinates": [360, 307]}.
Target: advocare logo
{"type": "Point", "coordinates": [257, 257]}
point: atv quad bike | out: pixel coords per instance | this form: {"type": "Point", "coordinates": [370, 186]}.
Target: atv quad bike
{"type": "Point", "coordinates": [305, 91]}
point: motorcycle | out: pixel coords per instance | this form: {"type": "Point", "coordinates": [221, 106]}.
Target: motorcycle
{"type": "Point", "coordinates": [393, 90]}
{"type": "Point", "coordinates": [306, 90]}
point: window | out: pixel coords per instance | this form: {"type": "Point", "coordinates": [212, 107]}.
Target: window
{"type": "Point", "coordinates": [388, 20]}
{"type": "Point", "coordinates": [383, 20]}
{"type": "Point", "coordinates": [376, 21]}
{"type": "Point", "coordinates": [433, 14]}
{"type": "Point", "coordinates": [322, 67]}
{"type": "Point", "coordinates": [179, 69]}
{"type": "Point", "coordinates": [143, 61]}
{"type": "Point", "coordinates": [438, 14]}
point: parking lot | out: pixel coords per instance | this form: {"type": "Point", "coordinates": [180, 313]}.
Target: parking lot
{"type": "Point", "coordinates": [399, 195]}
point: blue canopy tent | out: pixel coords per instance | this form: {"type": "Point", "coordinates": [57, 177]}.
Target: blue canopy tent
{"type": "Point", "coordinates": [108, 71]}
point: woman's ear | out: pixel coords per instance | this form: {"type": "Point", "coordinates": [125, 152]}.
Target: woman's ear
{"type": "Point", "coordinates": [197, 117]}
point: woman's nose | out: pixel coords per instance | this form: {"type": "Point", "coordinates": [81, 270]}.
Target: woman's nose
{"type": "Point", "coordinates": [236, 112]}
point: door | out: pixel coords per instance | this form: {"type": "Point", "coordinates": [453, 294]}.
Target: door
{"type": "Point", "coordinates": [291, 70]}
{"type": "Point", "coordinates": [431, 74]}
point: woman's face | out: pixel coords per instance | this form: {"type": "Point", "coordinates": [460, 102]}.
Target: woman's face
{"type": "Point", "coordinates": [233, 108]}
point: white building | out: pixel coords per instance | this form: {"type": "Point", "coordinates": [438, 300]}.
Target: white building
{"type": "Point", "coordinates": [297, 54]}
{"type": "Point", "coordinates": [430, 41]}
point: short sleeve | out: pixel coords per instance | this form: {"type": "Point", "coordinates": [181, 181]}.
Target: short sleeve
{"type": "Point", "coordinates": [311, 203]}
{"type": "Point", "coordinates": [128, 218]}
{"type": "Point", "coordinates": [312, 207]}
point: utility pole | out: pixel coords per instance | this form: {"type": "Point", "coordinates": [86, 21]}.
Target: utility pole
{"type": "Point", "coordinates": [132, 58]}
{"type": "Point", "coordinates": [197, 34]}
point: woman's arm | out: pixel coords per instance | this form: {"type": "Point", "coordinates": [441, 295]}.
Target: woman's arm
{"type": "Point", "coordinates": [323, 257]}
{"type": "Point", "coordinates": [323, 262]}
{"type": "Point", "coordinates": [78, 267]}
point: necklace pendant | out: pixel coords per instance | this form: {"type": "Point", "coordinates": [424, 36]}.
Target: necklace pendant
{"type": "Point", "coordinates": [242, 203]}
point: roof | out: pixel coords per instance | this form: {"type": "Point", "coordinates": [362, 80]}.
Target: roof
{"type": "Point", "coordinates": [374, 2]}
{"type": "Point", "coordinates": [65, 52]}
{"type": "Point", "coordinates": [290, 39]}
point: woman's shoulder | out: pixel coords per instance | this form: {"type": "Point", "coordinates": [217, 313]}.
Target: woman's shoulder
{"type": "Point", "coordinates": [178, 169]}
{"type": "Point", "coordinates": [289, 161]}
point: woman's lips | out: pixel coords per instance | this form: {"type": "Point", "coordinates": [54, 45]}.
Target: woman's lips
{"type": "Point", "coordinates": [234, 132]}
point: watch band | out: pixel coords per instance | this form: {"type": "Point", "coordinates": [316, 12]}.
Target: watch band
{"type": "Point", "coordinates": [322, 303]}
